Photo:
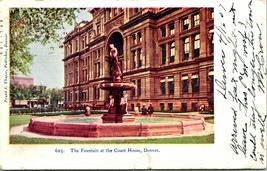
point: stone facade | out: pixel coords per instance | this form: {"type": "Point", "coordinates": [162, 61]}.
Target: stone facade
{"type": "Point", "coordinates": [166, 52]}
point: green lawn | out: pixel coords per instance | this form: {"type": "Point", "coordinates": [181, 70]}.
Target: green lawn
{"type": "Point", "coordinates": [16, 120]}
{"type": "Point", "coordinates": [14, 139]}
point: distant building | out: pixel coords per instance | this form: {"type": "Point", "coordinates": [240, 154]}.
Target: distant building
{"type": "Point", "coordinates": [26, 81]}
{"type": "Point", "coordinates": [19, 101]}
{"type": "Point", "coordinates": [166, 52]}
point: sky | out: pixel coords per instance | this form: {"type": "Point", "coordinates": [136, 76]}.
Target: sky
{"type": "Point", "coordinates": [48, 67]}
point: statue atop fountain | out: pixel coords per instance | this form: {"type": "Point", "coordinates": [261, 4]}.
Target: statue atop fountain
{"type": "Point", "coordinates": [118, 101]}
{"type": "Point", "coordinates": [116, 64]}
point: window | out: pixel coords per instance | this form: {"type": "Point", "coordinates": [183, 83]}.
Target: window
{"type": "Point", "coordinates": [162, 86]}
{"type": "Point", "coordinates": [65, 50]}
{"type": "Point", "coordinates": [132, 106]}
{"type": "Point", "coordinates": [76, 96]}
{"type": "Point", "coordinates": [136, 10]}
{"type": "Point", "coordinates": [211, 35]}
{"type": "Point", "coordinates": [108, 13]}
{"type": "Point", "coordinates": [212, 13]}
{"type": "Point", "coordinates": [186, 48]}
{"type": "Point", "coordinates": [70, 96]}
{"type": "Point", "coordinates": [76, 75]}
{"type": "Point", "coordinates": [196, 45]}
{"type": "Point", "coordinates": [185, 24]}
{"type": "Point", "coordinates": [171, 28]}
{"type": "Point", "coordinates": [194, 106]}
{"type": "Point", "coordinates": [139, 57]}
{"type": "Point", "coordinates": [70, 79]}
{"type": "Point", "coordinates": [96, 54]}
{"type": "Point", "coordinates": [139, 87]}
{"type": "Point", "coordinates": [139, 36]}
{"type": "Point", "coordinates": [134, 39]}
{"type": "Point", "coordinates": [172, 51]}
{"type": "Point", "coordinates": [98, 30]}
{"type": "Point", "coordinates": [84, 95]}
{"type": "Point", "coordinates": [211, 79]}
{"type": "Point", "coordinates": [194, 79]}
{"type": "Point", "coordinates": [185, 86]}
{"type": "Point", "coordinates": [171, 85]}
{"type": "Point", "coordinates": [185, 83]}
{"type": "Point", "coordinates": [70, 48]}
{"type": "Point", "coordinates": [115, 11]}
{"type": "Point", "coordinates": [84, 75]}
{"type": "Point", "coordinates": [161, 106]}
{"type": "Point", "coordinates": [96, 92]}
{"type": "Point", "coordinates": [133, 90]}
{"type": "Point", "coordinates": [163, 54]}
{"type": "Point", "coordinates": [196, 20]}
{"type": "Point", "coordinates": [134, 59]}
{"type": "Point", "coordinates": [163, 31]}
{"type": "Point", "coordinates": [170, 107]}
{"type": "Point", "coordinates": [97, 69]}
{"type": "Point", "coordinates": [84, 42]}
{"type": "Point", "coordinates": [184, 107]}
{"type": "Point", "coordinates": [76, 45]}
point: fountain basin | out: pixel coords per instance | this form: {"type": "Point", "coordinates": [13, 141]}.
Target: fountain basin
{"type": "Point", "coordinates": [119, 86]}
{"type": "Point", "coordinates": [52, 126]}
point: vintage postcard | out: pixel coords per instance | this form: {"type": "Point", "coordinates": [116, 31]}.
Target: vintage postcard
{"type": "Point", "coordinates": [129, 85]}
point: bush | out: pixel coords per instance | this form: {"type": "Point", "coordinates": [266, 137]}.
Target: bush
{"type": "Point", "coordinates": [35, 111]}
{"type": "Point", "coordinates": [49, 112]}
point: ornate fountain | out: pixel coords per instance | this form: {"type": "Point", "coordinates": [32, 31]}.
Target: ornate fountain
{"type": "Point", "coordinates": [116, 115]}
{"type": "Point", "coordinates": [117, 112]}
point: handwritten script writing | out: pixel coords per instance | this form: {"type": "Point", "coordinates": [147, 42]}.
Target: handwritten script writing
{"type": "Point", "coordinates": [242, 82]}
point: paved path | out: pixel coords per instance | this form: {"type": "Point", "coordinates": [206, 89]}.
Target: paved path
{"type": "Point", "coordinates": [23, 131]}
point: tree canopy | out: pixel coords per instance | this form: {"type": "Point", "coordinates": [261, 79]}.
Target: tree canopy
{"type": "Point", "coordinates": [21, 92]}
{"type": "Point", "coordinates": [29, 25]}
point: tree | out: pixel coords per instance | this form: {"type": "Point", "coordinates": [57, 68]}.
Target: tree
{"type": "Point", "coordinates": [16, 92]}
{"type": "Point", "coordinates": [19, 92]}
{"type": "Point", "coordinates": [56, 95]}
{"type": "Point", "coordinates": [28, 25]}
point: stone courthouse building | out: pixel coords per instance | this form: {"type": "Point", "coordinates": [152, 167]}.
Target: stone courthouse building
{"type": "Point", "coordinates": [166, 52]}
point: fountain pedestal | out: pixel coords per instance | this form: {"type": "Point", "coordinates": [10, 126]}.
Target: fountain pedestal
{"type": "Point", "coordinates": [117, 113]}
{"type": "Point", "coordinates": [118, 107]}
{"type": "Point", "coordinates": [117, 118]}
{"type": "Point", "coordinates": [112, 118]}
